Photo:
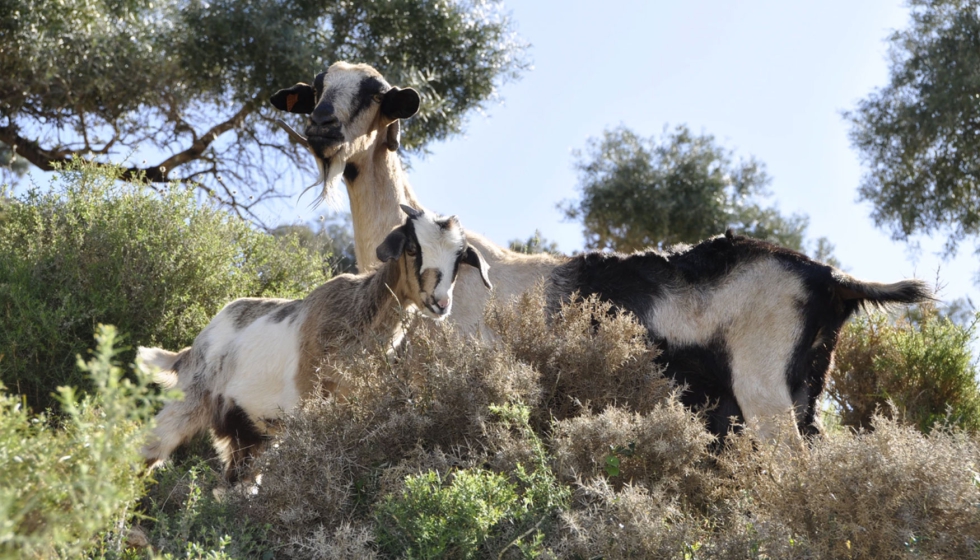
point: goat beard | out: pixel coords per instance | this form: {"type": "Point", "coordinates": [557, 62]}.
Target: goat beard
{"type": "Point", "coordinates": [331, 174]}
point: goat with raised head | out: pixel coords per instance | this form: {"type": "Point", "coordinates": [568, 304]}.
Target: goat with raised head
{"type": "Point", "coordinates": [748, 326]}
{"type": "Point", "coordinates": [259, 356]}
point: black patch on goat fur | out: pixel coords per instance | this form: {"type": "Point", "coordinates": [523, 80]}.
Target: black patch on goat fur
{"type": "Point", "coordinates": [456, 262]}
{"type": "Point", "coordinates": [179, 362]}
{"type": "Point", "coordinates": [436, 284]}
{"type": "Point", "coordinates": [286, 311]}
{"type": "Point", "coordinates": [706, 371]}
{"type": "Point", "coordinates": [351, 172]}
{"type": "Point", "coordinates": [367, 89]}
{"type": "Point", "coordinates": [233, 423]}
{"type": "Point", "coordinates": [318, 87]}
{"type": "Point", "coordinates": [635, 282]}
{"type": "Point", "coordinates": [412, 239]}
{"type": "Point", "coordinates": [824, 314]}
{"type": "Point", "coordinates": [246, 312]}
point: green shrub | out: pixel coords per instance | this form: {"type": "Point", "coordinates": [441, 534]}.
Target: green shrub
{"type": "Point", "coordinates": [480, 510]}
{"type": "Point", "coordinates": [157, 265]}
{"type": "Point", "coordinates": [63, 486]}
{"type": "Point", "coordinates": [922, 364]}
{"type": "Point", "coordinates": [431, 519]}
{"type": "Point", "coordinates": [183, 518]}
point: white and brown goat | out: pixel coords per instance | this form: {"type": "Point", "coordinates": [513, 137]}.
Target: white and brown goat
{"type": "Point", "coordinates": [259, 357]}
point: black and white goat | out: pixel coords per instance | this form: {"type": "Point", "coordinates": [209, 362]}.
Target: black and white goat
{"type": "Point", "coordinates": [748, 326]}
{"type": "Point", "coordinates": [756, 343]}
{"type": "Point", "coordinates": [259, 356]}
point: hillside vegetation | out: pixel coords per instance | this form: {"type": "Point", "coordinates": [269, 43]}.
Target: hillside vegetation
{"type": "Point", "coordinates": [557, 439]}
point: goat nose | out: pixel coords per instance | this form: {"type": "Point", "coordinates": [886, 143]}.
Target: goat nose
{"type": "Point", "coordinates": [443, 304]}
{"type": "Point", "coordinates": [323, 115]}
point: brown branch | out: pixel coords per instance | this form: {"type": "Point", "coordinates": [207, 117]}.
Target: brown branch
{"type": "Point", "coordinates": [45, 159]}
{"type": "Point", "coordinates": [31, 150]}
{"type": "Point", "coordinates": [158, 173]}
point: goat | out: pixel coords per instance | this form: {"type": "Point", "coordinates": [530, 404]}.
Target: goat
{"type": "Point", "coordinates": [353, 131]}
{"type": "Point", "coordinates": [746, 325]}
{"type": "Point", "coordinates": [754, 372]}
{"type": "Point", "coordinates": [259, 356]}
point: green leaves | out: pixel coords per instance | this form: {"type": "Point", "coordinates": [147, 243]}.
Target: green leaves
{"type": "Point", "coordinates": [616, 454]}
{"type": "Point", "coordinates": [158, 266]}
{"type": "Point", "coordinates": [919, 136]}
{"type": "Point", "coordinates": [108, 79]}
{"type": "Point", "coordinates": [919, 368]}
{"type": "Point", "coordinates": [638, 193]}
{"type": "Point", "coordinates": [61, 487]}
{"type": "Point", "coordinates": [434, 520]}
{"type": "Point", "coordinates": [431, 518]}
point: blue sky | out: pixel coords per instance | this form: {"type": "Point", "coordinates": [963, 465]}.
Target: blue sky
{"type": "Point", "coordinates": [767, 79]}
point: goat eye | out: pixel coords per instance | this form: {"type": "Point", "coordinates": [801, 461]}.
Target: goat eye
{"type": "Point", "coordinates": [411, 251]}
{"type": "Point", "coordinates": [377, 97]}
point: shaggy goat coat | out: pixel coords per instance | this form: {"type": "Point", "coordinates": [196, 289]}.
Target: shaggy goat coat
{"type": "Point", "coordinates": [749, 327]}
{"type": "Point", "coordinates": [258, 357]}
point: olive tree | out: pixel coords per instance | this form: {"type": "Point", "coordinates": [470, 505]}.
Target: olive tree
{"type": "Point", "coordinates": [682, 187]}
{"type": "Point", "coordinates": [919, 135]}
{"type": "Point", "coordinates": [178, 89]}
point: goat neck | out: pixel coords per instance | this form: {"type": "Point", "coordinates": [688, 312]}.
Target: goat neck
{"type": "Point", "coordinates": [376, 185]}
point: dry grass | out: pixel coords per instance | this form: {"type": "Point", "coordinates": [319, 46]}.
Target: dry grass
{"type": "Point", "coordinates": [644, 481]}
{"type": "Point", "coordinates": [589, 357]}
{"type": "Point", "coordinates": [892, 493]}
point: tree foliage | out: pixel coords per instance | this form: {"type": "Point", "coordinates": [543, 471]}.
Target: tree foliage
{"type": "Point", "coordinates": [919, 136]}
{"type": "Point", "coordinates": [920, 367]}
{"type": "Point", "coordinates": [185, 84]}
{"type": "Point", "coordinates": [638, 193]}
{"type": "Point", "coordinates": [536, 243]}
{"type": "Point", "coordinates": [333, 240]}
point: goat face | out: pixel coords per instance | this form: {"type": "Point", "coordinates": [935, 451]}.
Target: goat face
{"type": "Point", "coordinates": [432, 248]}
{"type": "Point", "coordinates": [347, 104]}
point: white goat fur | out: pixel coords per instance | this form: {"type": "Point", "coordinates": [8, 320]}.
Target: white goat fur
{"type": "Point", "coordinates": [259, 356]}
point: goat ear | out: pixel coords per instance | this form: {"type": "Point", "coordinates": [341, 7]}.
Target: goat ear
{"type": "Point", "coordinates": [473, 258]}
{"type": "Point", "coordinates": [400, 103]}
{"type": "Point", "coordinates": [393, 136]}
{"type": "Point", "coordinates": [298, 99]}
{"type": "Point", "coordinates": [392, 247]}
{"type": "Point", "coordinates": [412, 212]}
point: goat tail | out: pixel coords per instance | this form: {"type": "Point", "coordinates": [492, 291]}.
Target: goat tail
{"type": "Point", "coordinates": [164, 371]}
{"type": "Point", "coordinates": [878, 294]}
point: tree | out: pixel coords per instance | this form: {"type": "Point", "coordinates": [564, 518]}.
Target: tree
{"type": "Point", "coordinates": [14, 166]}
{"type": "Point", "coordinates": [185, 84]}
{"type": "Point", "coordinates": [334, 241]}
{"type": "Point", "coordinates": [919, 136]}
{"type": "Point", "coordinates": [638, 193]}
{"type": "Point", "coordinates": [537, 243]}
